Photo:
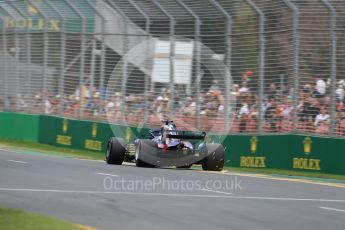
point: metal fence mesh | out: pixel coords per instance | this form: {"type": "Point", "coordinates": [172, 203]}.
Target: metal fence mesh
{"type": "Point", "coordinates": [240, 66]}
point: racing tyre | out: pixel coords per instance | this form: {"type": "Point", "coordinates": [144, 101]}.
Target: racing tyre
{"type": "Point", "coordinates": [215, 159]}
{"type": "Point", "coordinates": [144, 147]}
{"type": "Point", "coordinates": [115, 151]}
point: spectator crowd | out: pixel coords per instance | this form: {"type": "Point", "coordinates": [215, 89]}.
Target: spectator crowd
{"type": "Point", "coordinates": [278, 112]}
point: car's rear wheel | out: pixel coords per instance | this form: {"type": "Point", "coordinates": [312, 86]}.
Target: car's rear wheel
{"type": "Point", "coordinates": [144, 147]}
{"type": "Point", "coordinates": [215, 159]}
{"type": "Point", "coordinates": [115, 151]}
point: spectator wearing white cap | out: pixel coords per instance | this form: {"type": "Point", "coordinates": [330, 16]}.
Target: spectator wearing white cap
{"type": "Point", "coordinates": [320, 86]}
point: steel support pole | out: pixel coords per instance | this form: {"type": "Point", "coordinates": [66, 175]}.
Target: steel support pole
{"type": "Point", "coordinates": [147, 82]}
{"type": "Point", "coordinates": [16, 57]}
{"type": "Point", "coordinates": [333, 70]}
{"type": "Point", "coordinates": [16, 76]}
{"type": "Point", "coordinates": [262, 49]}
{"type": "Point", "coordinates": [171, 57]}
{"type": "Point", "coordinates": [62, 59]}
{"type": "Point", "coordinates": [8, 89]}
{"type": "Point", "coordinates": [227, 63]}
{"type": "Point", "coordinates": [92, 68]}
{"type": "Point", "coordinates": [28, 56]}
{"type": "Point", "coordinates": [82, 55]}
{"type": "Point", "coordinates": [103, 49]}
{"type": "Point", "coordinates": [124, 61]}
{"type": "Point", "coordinates": [296, 51]}
{"type": "Point", "coordinates": [5, 46]}
{"type": "Point", "coordinates": [45, 52]}
{"type": "Point", "coordinates": [197, 56]}
{"type": "Point", "coordinates": [16, 71]}
{"type": "Point", "coordinates": [4, 69]}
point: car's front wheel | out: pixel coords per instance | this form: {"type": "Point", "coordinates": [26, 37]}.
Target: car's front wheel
{"type": "Point", "coordinates": [115, 151]}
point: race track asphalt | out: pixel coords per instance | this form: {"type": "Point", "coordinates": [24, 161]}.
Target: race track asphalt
{"type": "Point", "coordinates": [124, 197]}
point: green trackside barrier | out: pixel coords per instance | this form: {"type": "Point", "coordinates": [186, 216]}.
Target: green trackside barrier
{"type": "Point", "coordinates": [83, 134]}
{"type": "Point", "coordinates": [318, 154]}
{"type": "Point", "coordinates": [257, 151]}
{"type": "Point", "coordinates": [19, 126]}
{"type": "Point", "coordinates": [294, 152]}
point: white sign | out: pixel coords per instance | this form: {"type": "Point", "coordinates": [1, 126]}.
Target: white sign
{"type": "Point", "coordinates": [182, 62]}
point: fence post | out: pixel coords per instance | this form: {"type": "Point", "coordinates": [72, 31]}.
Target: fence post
{"type": "Point", "coordinates": [296, 41]}
{"type": "Point", "coordinates": [171, 57]}
{"type": "Point", "coordinates": [103, 50]}
{"type": "Point", "coordinates": [197, 54]}
{"type": "Point", "coordinates": [125, 61]}
{"type": "Point", "coordinates": [333, 70]}
{"type": "Point", "coordinates": [45, 54]}
{"type": "Point", "coordinates": [82, 55]}
{"type": "Point", "coordinates": [4, 53]}
{"type": "Point", "coordinates": [3, 70]}
{"type": "Point", "coordinates": [262, 48]}
{"type": "Point", "coordinates": [11, 89]}
{"type": "Point", "coordinates": [62, 59]}
{"type": "Point", "coordinates": [15, 89]}
{"type": "Point", "coordinates": [227, 62]}
{"type": "Point", "coordinates": [147, 86]}
{"type": "Point", "coordinates": [28, 57]}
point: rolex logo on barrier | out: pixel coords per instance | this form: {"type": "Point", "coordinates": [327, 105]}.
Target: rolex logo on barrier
{"type": "Point", "coordinates": [63, 139]}
{"type": "Point", "coordinates": [93, 144]}
{"type": "Point", "coordinates": [306, 163]}
{"type": "Point", "coordinates": [253, 162]}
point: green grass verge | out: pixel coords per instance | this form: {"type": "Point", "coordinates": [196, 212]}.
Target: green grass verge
{"type": "Point", "coordinates": [36, 148]}
{"type": "Point", "coordinates": [30, 147]}
{"type": "Point", "coordinates": [11, 219]}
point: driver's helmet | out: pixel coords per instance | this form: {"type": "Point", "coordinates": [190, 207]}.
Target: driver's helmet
{"type": "Point", "coordinates": [171, 128]}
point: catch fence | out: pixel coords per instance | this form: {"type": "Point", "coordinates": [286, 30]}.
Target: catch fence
{"type": "Point", "coordinates": [225, 66]}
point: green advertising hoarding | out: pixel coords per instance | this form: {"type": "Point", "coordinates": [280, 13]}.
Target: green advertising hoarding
{"type": "Point", "coordinates": [19, 126]}
{"type": "Point", "coordinates": [257, 151]}
{"type": "Point", "coordinates": [319, 154]}
{"type": "Point", "coordinates": [74, 133]}
{"type": "Point", "coordinates": [83, 134]}
{"type": "Point", "coordinates": [293, 152]}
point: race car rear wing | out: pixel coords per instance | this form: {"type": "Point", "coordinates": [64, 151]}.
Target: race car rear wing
{"type": "Point", "coordinates": [187, 135]}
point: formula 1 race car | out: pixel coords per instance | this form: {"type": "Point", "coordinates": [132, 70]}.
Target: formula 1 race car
{"type": "Point", "coordinates": [166, 147]}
